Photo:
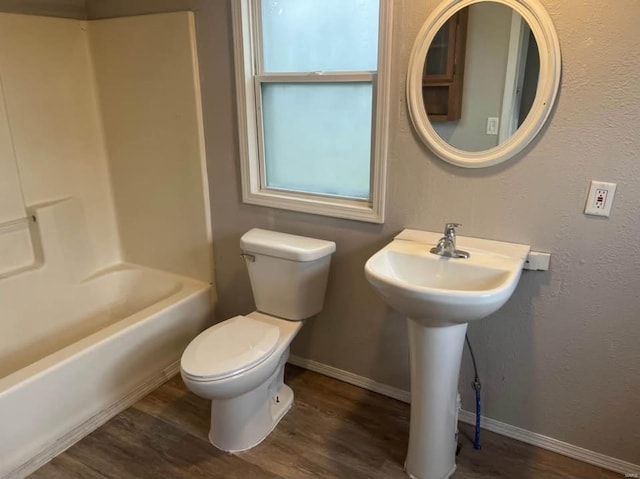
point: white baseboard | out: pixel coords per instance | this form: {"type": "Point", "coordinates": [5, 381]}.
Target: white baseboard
{"type": "Point", "coordinates": [513, 432]}
{"type": "Point", "coordinates": [65, 442]}
{"type": "Point", "coordinates": [347, 377]}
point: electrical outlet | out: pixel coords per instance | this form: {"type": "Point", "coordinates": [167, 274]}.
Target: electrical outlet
{"type": "Point", "coordinates": [600, 198]}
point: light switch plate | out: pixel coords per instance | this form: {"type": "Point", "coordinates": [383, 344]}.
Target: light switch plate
{"type": "Point", "coordinates": [492, 125]}
{"type": "Point", "coordinates": [600, 198]}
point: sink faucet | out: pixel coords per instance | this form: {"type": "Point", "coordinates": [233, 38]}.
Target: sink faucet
{"type": "Point", "coordinates": [447, 245]}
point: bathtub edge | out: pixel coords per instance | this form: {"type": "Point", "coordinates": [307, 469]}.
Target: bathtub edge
{"type": "Point", "coordinates": [63, 443]}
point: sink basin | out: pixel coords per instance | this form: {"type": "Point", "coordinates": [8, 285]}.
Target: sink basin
{"type": "Point", "coordinates": [433, 289]}
{"type": "Point", "coordinates": [440, 296]}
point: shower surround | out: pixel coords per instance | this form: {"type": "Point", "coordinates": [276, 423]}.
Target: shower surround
{"type": "Point", "coordinates": [105, 246]}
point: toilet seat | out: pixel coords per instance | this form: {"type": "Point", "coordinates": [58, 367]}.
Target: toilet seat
{"type": "Point", "coordinates": [229, 348]}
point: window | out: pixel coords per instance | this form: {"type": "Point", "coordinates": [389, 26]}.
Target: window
{"type": "Point", "coordinates": [312, 85]}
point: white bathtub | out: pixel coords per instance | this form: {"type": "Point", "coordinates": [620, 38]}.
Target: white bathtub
{"type": "Point", "coordinates": [74, 354]}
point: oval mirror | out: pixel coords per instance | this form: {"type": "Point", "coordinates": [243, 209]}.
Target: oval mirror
{"type": "Point", "coordinates": [482, 80]}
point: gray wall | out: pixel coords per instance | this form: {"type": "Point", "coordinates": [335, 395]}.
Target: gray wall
{"type": "Point", "coordinates": [562, 357]}
{"type": "Point", "coordinates": [53, 8]}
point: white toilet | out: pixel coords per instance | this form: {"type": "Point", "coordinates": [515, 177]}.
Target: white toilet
{"type": "Point", "coordinates": [239, 363]}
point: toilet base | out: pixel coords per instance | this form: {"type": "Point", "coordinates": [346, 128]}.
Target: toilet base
{"type": "Point", "coordinates": [243, 422]}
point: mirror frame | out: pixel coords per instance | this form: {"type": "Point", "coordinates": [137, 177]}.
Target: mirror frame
{"type": "Point", "coordinates": [548, 83]}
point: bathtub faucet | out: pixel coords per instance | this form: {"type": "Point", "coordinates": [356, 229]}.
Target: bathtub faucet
{"type": "Point", "coordinates": [447, 245]}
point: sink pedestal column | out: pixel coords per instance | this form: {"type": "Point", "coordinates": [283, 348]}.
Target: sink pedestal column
{"type": "Point", "coordinates": [436, 354]}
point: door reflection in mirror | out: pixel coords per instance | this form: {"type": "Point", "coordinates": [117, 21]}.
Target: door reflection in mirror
{"type": "Point", "coordinates": [495, 57]}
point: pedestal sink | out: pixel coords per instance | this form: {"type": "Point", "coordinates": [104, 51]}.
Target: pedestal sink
{"type": "Point", "coordinates": [440, 296]}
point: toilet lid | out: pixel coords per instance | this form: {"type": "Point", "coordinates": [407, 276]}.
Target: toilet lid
{"type": "Point", "coordinates": [228, 348]}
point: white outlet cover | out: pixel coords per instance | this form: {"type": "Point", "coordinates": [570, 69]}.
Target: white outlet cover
{"type": "Point", "coordinates": [492, 125]}
{"type": "Point", "coordinates": [600, 198]}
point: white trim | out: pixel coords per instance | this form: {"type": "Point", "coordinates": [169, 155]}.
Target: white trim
{"type": "Point", "coordinates": [351, 378]}
{"type": "Point", "coordinates": [246, 39]}
{"type": "Point", "coordinates": [13, 225]}
{"type": "Point", "coordinates": [319, 205]}
{"type": "Point", "coordinates": [256, 27]}
{"type": "Point", "coordinates": [549, 81]}
{"type": "Point", "coordinates": [245, 95]}
{"type": "Point", "coordinates": [507, 430]}
{"type": "Point", "coordinates": [317, 77]}
{"type": "Point", "coordinates": [514, 76]}
{"type": "Point", "coordinates": [551, 444]}
{"type": "Point", "coordinates": [76, 434]}
{"type": "Point", "coordinates": [381, 115]}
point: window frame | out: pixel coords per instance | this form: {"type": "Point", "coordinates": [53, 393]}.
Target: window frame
{"type": "Point", "coordinates": [249, 77]}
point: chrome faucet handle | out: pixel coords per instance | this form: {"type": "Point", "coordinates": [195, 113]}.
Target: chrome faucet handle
{"type": "Point", "coordinates": [447, 244]}
{"type": "Point", "coordinates": [450, 229]}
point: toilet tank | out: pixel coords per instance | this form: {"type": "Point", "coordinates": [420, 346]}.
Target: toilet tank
{"type": "Point", "coordinates": [288, 273]}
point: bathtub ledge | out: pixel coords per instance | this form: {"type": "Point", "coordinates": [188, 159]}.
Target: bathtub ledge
{"type": "Point", "coordinates": [76, 434]}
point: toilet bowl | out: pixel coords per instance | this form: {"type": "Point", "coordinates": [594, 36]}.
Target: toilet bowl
{"type": "Point", "coordinates": [238, 364]}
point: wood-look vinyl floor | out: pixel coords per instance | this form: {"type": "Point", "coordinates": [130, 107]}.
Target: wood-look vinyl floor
{"type": "Point", "coordinates": [334, 430]}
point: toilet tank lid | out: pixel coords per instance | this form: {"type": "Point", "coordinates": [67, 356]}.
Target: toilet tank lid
{"type": "Point", "coordinates": [286, 246]}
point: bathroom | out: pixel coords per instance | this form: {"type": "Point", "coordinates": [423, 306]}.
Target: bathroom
{"type": "Point", "coordinates": [559, 361]}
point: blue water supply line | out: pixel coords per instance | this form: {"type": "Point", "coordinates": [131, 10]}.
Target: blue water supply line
{"type": "Point", "coordinates": [477, 387]}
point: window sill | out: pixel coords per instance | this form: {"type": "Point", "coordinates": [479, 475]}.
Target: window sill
{"type": "Point", "coordinates": [352, 209]}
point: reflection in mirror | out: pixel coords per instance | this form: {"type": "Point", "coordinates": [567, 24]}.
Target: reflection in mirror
{"type": "Point", "coordinates": [480, 76]}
